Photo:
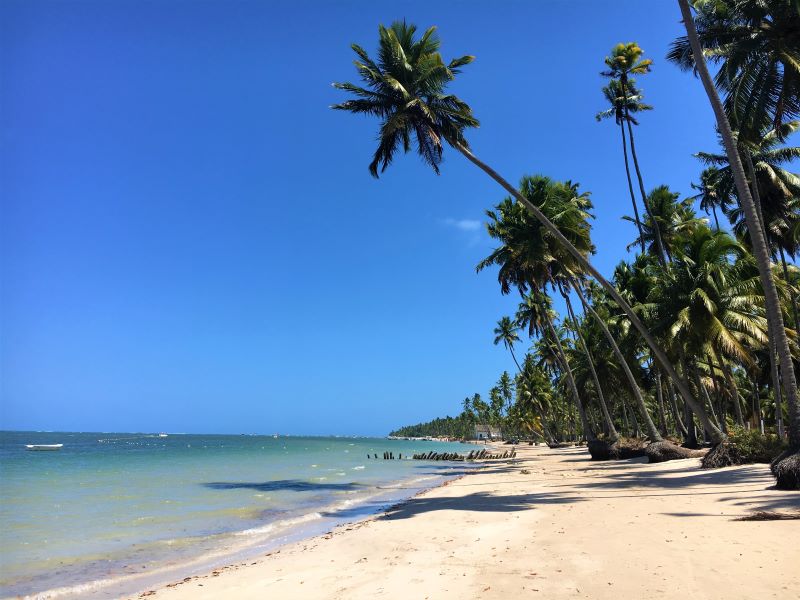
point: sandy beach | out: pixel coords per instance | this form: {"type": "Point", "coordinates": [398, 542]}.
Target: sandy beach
{"type": "Point", "coordinates": [549, 524]}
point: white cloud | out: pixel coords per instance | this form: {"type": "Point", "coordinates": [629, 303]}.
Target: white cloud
{"type": "Point", "coordinates": [463, 224]}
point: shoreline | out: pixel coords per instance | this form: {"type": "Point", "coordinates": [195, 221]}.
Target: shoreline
{"type": "Point", "coordinates": [549, 523]}
{"type": "Point", "coordinates": [237, 547]}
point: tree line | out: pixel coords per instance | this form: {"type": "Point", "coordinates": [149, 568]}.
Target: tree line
{"type": "Point", "coordinates": [693, 339]}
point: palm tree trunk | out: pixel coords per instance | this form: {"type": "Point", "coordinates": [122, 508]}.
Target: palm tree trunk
{"type": "Point", "coordinates": [511, 349]}
{"type": "Point", "coordinates": [751, 173]}
{"type": "Point", "coordinates": [636, 431]}
{"type": "Point", "coordinates": [716, 219]}
{"type": "Point", "coordinates": [757, 405]}
{"type": "Point", "coordinates": [776, 391]}
{"type": "Point", "coordinates": [586, 265]}
{"type": "Point", "coordinates": [652, 432]}
{"type": "Point", "coordinates": [704, 391]}
{"type": "Point", "coordinates": [718, 395]}
{"type": "Point", "coordinates": [793, 296]}
{"type": "Point", "coordinates": [630, 186]}
{"type": "Point", "coordinates": [609, 422]}
{"type": "Point", "coordinates": [587, 430]}
{"type": "Point", "coordinates": [691, 431]}
{"type": "Point", "coordinates": [662, 413]}
{"type": "Point", "coordinates": [733, 390]}
{"type": "Point", "coordinates": [773, 354]}
{"type": "Point", "coordinates": [774, 316]}
{"type": "Point", "coordinates": [625, 417]}
{"type": "Point", "coordinates": [673, 402]}
{"type": "Point", "coordinates": [656, 229]}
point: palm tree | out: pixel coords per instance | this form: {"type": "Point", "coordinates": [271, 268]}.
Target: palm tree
{"type": "Point", "coordinates": [535, 314]}
{"type": "Point", "coordinates": [506, 332]}
{"type": "Point", "coordinates": [505, 386]}
{"type": "Point", "coordinates": [757, 48]}
{"type": "Point", "coordinates": [651, 429]}
{"type": "Point", "coordinates": [625, 61]}
{"type": "Point", "coordinates": [674, 220]}
{"type": "Point", "coordinates": [709, 304]}
{"type": "Point", "coordinates": [774, 188]}
{"type": "Point", "coordinates": [534, 395]}
{"type": "Point", "coordinates": [710, 195]}
{"type": "Point", "coordinates": [775, 194]}
{"type": "Point", "coordinates": [609, 422]}
{"type": "Point", "coordinates": [406, 90]}
{"type": "Point", "coordinates": [623, 104]}
{"type": "Point", "coordinates": [759, 243]}
{"type": "Point", "coordinates": [466, 406]}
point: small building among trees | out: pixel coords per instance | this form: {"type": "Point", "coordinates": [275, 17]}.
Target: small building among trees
{"type": "Point", "coordinates": [487, 432]}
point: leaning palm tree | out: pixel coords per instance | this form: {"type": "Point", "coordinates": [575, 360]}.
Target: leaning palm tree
{"type": "Point", "coordinates": [406, 89]}
{"type": "Point", "coordinates": [788, 475]}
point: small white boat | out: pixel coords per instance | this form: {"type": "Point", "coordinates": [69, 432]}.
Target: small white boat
{"type": "Point", "coordinates": [162, 435]}
{"type": "Point", "coordinates": [44, 447]}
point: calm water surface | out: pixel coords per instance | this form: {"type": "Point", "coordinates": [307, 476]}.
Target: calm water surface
{"type": "Point", "coordinates": [111, 514]}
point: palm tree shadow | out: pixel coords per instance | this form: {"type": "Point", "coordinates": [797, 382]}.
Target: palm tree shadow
{"type": "Point", "coordinates": [475, 502]}
{"type": "Point", "coordinates": [732, 482]}
{"type": "Point", "coordinates": [694, 478]}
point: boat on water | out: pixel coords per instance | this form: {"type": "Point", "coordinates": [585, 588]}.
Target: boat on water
{"type": "Point", "coordinates": [43, 447]}
{"type": "Point", "coordinates": [162, 435]}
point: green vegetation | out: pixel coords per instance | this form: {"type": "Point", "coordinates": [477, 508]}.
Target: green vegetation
{"type": "Point", "coordinates": [695, 336]}
{"type": "Point", "coordinates": [455, 428]}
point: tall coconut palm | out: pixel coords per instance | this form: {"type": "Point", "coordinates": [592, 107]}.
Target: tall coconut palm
{"type": "Point", "coordinates": [760, 247]}
{"type": "Point", "coordinates": [624, 62]}
{"type": "Point", "coordinates": [624, 103]}
{"type": "Point", "coordinates": [405, 89]}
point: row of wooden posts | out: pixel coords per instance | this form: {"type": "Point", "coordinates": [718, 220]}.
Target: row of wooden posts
{"type": "Point", "coordinates": [473, 455]}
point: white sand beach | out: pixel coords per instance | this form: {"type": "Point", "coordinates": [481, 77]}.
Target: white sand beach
{"type": "Point", "coordinates": [550, 524]}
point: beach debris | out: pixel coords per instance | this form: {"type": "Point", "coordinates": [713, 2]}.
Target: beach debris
{"type": "Point", "coordinates": [766, 515]}
{"type": "Point", "coordinates": [472, 456]}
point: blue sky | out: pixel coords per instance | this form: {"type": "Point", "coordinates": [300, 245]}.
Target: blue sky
{"type": "Point", "coordinates": [191, 240]}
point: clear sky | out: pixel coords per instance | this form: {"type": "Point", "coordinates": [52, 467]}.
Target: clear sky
{"type": "Point", "coordinates": [191, 240]}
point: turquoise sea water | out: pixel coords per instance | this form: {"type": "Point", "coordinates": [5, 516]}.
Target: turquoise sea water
{"type": "Point", "coordinates": [112, 514]}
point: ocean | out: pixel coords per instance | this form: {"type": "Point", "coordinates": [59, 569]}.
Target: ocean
{"type": "Point", "coordinates": [111, 514]}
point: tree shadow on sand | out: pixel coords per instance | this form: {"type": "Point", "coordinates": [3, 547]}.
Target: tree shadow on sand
{"type": "Point", "coordinates": [696, 478]}
{"type": "Point", "coordinates": [476, 502]}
